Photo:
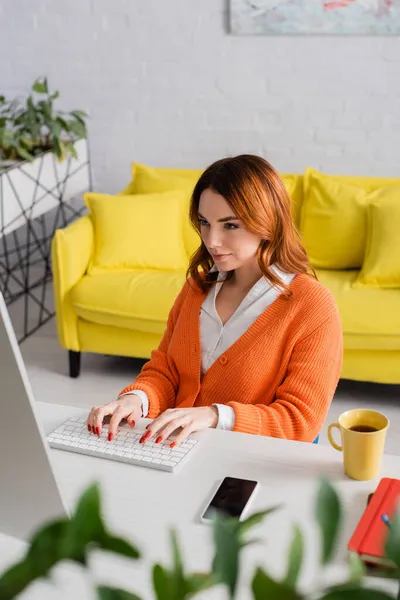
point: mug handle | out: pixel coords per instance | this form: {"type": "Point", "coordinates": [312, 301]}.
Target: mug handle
{"type": "Point", "coordinates": [330, 437]}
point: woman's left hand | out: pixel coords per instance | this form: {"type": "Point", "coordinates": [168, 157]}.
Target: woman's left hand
{"type": "Point", "coordinates": [189, 419]}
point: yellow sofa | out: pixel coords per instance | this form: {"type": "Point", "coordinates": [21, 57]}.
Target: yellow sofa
{"type": "Point", "coordinates": [124, 311]}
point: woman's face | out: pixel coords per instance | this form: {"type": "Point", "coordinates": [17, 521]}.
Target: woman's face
{"type": "Point", "coordinates": [225, 237]}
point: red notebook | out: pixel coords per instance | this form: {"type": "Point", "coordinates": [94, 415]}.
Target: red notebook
{"type": "Point", "coordinates": [369, 537]}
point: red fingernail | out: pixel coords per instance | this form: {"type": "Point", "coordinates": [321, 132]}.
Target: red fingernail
{"type": "Point", "coordinates": [172, 445]}
{"type": "Point", "coordinates": [159, 439]}
{"type": "Point", "coordinates": [89, 428]}
{"type": "Point", "coordinates": [98, 430]}
{"type": "Point", "coordinates": [145, 437]}
{"type": "Point", "coordinates": [110, 436]}
{"type": "Point", "coordinates": [133, 424]}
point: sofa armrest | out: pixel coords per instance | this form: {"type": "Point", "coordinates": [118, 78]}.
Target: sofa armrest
{"type": "Point", "coordinates": [71, 251]}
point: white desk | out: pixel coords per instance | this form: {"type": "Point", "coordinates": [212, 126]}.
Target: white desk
{"type": "Point", "coordinates": [143, 504]}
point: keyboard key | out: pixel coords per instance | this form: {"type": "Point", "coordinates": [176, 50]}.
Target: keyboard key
{"type": "Point", "coordinates": [177, 452]}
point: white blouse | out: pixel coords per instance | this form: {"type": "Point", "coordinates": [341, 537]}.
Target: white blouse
{"type": "Point", "coordinates": [216, 337]}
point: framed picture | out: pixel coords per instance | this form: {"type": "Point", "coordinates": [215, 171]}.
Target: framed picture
{"type": "Point", "coordinates": [320, 17]}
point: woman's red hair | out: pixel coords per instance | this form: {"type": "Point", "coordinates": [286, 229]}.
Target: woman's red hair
{"type": "Point", "coordinates": [258, 197]}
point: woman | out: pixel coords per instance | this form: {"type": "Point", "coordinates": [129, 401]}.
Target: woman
{"type": "Point", "coordinates": [253, 341]}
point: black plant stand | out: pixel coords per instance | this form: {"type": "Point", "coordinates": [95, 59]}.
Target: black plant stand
{"type": "Point", "coordinates": [25, 242]}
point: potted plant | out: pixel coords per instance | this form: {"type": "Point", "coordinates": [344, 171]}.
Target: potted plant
{"type": "Point", "coordinates": [43, 156]}
{"type": "Point", "coordinates": [44, 166]}
{"type": "Point", "coordinates": [33, 127]}
{"type": "Point", "coordinates": [73, 539]}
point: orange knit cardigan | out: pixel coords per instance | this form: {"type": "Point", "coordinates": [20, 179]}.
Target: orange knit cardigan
{"type": "Point", "coordinates": [279, 376]}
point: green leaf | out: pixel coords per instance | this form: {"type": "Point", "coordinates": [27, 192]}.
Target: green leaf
{"type": "Point", "coordinates": [85, 527]}
{"type": "Point", "coordinates": [227, 544]}
{"type": "Point", "coordinates": [78, 129]}
{"type": "Point", "coordinates": [87, 515]}
{"type": "Point", "coordinates": [161, 583]}
{"type": "Point", "coordinates": [45, 550]}
{"type": "Point", "coordinates": [57, 147]}
{"type": "Point", "coordinates": [328, 515]}
{"type": "Point", "coordinates": [40, 86]}
{"type": "Point", "coordinates": [55, 129]}
{"type": "Point", "coordinates": [71, 149]}
{"type": "Point", "coordinates": [8, 137]}
{"type": "Point", "coordinates": [33, 122]}
{"type": "Point", "coordinates": [118, 546]}
{"type": "Point", "coordinates": [265, 587]}
{"type": "Point", "coordinates": [177, 565]}
{"type": "Point", "coordinates": [356, 593]}
{"type": "Point", "coordinates": [107, 593]}
{"type": "Point", "coordinates": [46, 109]}
{"type": "Point", "coordinates": [55, 95]}
{"type": "Point", "coordinates": [197, 582]}
{"type": "Point", "coordinates": [295, 557]}
{"type": "Point", "coordinates": [15, 580]}
{"type": "Point", "coordinates": [46, 547]}
{"type": "Point", "coordinates": [392, 547]}
{"type": "Point", "coordinates": [173, 584]}
{"type": "Point", "coordinates": [229, 540]}
{"type": "Point", "coordinates": [80, 115]}
{"type": "Point", "coordinates": [357, 568]}
{"type": "Point", "coordinates": [256, 518]}
{"type": "Point", "coordinates": [63, 123]}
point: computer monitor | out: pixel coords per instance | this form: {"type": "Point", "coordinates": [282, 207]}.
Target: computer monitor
{"type": "Point", "coordinates": [29, 494]}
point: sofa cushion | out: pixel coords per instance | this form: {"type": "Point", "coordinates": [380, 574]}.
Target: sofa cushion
{"type": "Point", "coordinates": [333, 217]}
{"type": "Point", "coordinates": [137, 232]}
{"type": "Point", "coordinates": [381, 266]}
{"type": "Point", "coordinates": [139, 300]}
{"type": "Point", "coordinates": [149, 180]}
{"type": "Point", "coordinates": [333, 222]}
{"type": "Point", "coordinates": [370, 317]}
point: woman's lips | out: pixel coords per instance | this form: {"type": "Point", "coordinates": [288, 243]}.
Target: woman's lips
{"type": "Point", "coordinates": [220, 256]}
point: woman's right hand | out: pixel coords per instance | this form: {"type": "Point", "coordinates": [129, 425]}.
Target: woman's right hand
{"type": "Point", "coordinates": [127, 407]}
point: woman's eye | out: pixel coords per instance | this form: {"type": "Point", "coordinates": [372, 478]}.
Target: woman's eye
{"type": "Point", "coordinates": [230, 226]}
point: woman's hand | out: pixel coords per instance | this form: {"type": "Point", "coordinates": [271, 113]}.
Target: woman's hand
{"type": "Point", "coordinates": [189, 419]}
{"type": "Point", "coordinates": [128, 407]}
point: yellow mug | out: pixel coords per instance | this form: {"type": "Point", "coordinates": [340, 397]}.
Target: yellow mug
{"type": "Point", "coordinates": [363, 434]}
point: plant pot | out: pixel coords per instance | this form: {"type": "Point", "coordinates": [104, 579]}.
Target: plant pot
{"type": "Point", "coordinates": [30, 189]}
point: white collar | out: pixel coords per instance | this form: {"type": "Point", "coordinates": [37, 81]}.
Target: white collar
{"type": "Point", "coordinates": [262, 282]}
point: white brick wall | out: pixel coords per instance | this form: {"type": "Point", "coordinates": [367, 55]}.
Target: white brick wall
{"type": "Point", "coordinates": [166, 84]}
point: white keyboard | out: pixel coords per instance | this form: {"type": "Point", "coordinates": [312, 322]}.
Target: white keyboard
{"type": "Point", "coordinates": [73, 435]}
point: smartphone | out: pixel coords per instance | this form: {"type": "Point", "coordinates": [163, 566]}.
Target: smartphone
{"type": "Point", "coordinates": [231, 498]}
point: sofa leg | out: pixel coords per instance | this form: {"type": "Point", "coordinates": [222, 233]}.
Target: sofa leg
{"type": "Point", "coordinates": [74, 363]}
